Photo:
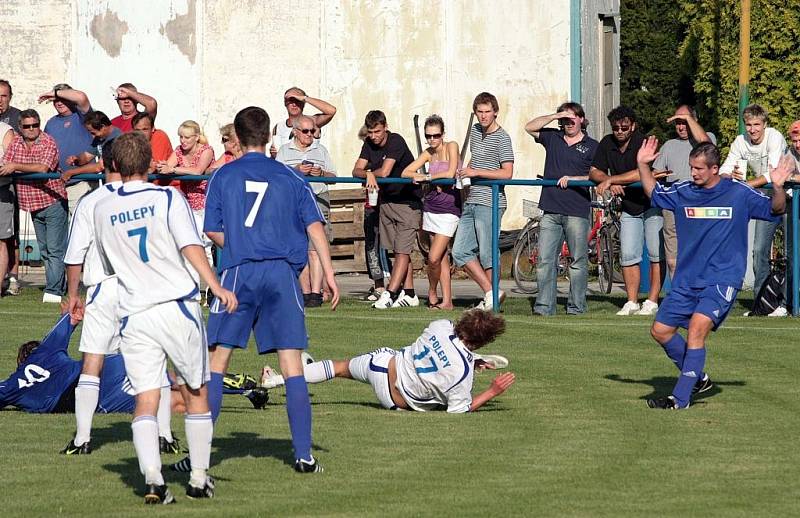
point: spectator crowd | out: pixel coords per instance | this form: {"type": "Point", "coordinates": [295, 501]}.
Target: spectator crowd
{"type": "Point", "coordinates": [455, 217]}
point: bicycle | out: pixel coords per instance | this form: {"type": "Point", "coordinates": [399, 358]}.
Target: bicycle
{"type": "Point", "coordinates": [602, 242]}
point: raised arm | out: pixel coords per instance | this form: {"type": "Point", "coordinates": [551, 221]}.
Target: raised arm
{"type": "Point", "coordinates": [76, 97]}
{"type": "Point", "coordinates": [535, 125]}
{"type": "Point", "coordinates": [695, 129]}
{"type": "Point", "coordinates": [646, 155]}
{"type": "Point", "coordinates": [149, 103]}
{"type": "Point", "coordinates": [327, 110]}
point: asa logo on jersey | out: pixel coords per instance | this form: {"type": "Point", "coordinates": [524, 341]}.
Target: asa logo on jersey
{"type": "Point", "coordinates": [708, 212]}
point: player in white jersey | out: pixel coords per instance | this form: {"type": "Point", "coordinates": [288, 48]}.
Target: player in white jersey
{"type": "Point", "coordinates": [144, 233]}
{"type": "Point", "coordinates": [434, 373]}
{"type": "Point", "coordinates": [100, 333]}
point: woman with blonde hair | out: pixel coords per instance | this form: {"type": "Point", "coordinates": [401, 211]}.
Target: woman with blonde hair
{"type": "Point", "coordinates": [231, 144]}
{"type": "Point", "coordinates": [441, 207]}
{"type": "Point", "coordinates": [192, 156]}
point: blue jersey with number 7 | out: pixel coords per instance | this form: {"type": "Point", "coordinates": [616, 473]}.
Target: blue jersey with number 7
{"type": "Point", "coordinates": [263, 208]}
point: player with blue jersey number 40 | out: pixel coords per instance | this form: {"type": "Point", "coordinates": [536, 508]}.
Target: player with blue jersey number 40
{"type": "Point", "coordinates": [261, 214]}
{"type": "Point", "coordinates": [711, 217]}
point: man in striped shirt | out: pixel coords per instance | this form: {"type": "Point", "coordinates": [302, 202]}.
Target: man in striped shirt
{"type": "Point", "coordinates": [492, 159]}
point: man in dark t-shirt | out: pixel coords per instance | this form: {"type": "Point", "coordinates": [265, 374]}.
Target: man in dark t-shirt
{"type": "Point", "coordinates": [385, 155]}
{"type": "Point", "coordinates": [614, 166]}
{"type": "Point", "coordinates": [570, 152]}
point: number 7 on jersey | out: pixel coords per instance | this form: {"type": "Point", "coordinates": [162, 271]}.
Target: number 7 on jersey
{"type": "Point", "coordinates": [260, 188]}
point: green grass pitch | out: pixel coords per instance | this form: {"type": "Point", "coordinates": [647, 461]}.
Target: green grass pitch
{"type": "Point", "coordinates": [572, 437]}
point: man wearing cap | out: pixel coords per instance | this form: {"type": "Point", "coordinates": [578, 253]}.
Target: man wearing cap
{"type": "Point", "coordinates": [68, 130]}
{"type": "Point", "coordinates": [674, 157]}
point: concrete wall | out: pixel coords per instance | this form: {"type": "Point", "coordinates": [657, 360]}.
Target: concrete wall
{"type": "Point", "coordinates": [205, 59]}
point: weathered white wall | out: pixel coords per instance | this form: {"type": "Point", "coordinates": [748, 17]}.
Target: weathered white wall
{"type": "Point", "coordinates": [205, 59]}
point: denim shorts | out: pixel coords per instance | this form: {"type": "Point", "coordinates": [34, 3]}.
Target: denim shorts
{"type": "Point", "coordinates": [635, 231]}
{"type": "Point", "coordinates": [473, 239]}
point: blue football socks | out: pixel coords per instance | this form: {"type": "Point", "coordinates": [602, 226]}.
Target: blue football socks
{"type": "Point", "coordinates": [692, 371]}
{"type": "Point", "coordinates": [676, 349]}
{"type": "Point", "coordinates": [298, 408]}
{"type": "Point", "coordinates": [215, 394]}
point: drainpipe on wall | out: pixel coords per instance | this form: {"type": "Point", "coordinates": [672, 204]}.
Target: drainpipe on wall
{"type": "Point", "coordinates": [575, 50]}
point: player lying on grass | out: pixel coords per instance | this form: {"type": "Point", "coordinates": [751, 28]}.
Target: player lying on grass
{"type": "Point", "coordinates": [434, 373]}
{"type": "Point", "coordinates": [711, 217]}
{"type": "Point", "coordinates": [45, 379]}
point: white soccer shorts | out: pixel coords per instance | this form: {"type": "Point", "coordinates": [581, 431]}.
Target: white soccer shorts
{"type": "Point", "coordinates": [373, 368]}
{"type": "Point", "coordinates": [171, 330]}
{"type": "Point", "coordinates": [100, 333]}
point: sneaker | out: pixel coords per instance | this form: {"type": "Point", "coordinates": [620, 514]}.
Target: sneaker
{"type": "Point", "coordinates": [630, 308]}
{"type": "Point", "coordinates": [207, 491]}
{"type": "Point", "coordinates": [780, 311]}
{"type": "Point", "coordinates": [487, 304]}
{"type": "Point", "coordinates": [495, 361]}
{"type": "Point", "coordinates": [258, 397]}
{"type": "Point", "coordinates": [51, 298]}
{"type": "Point", "coordinates": [72, 449]}
{"type": "Point", "coordinates": [239, 382]}
{"type": "Point", "coordinates": [155, 494]}
{"type": "Point", "coordinates": [269, 378]}
{"type": "Point", "coordinates": [169, 447]}
{"type": "Point", "coordinates": [384, 301]}
{"type": "Point", "coordinates": [664, 403]}
{"type": "Point", "coordinates": [306, 358]}
{"type": "Point", "coordinates": [13, 286]}
{"type": "Point", "coordinates": [182, 466]}
{"type": "Point", "coordinates": [314, 300]}
{"type": "Point", "coordinates": [702, 385]}
{"type": "Point", "coordinates": [304, 466]}
{"type": "Point", "coordinates": [648, 308]}
{"type": "Point", "coordinates": [404, 301]}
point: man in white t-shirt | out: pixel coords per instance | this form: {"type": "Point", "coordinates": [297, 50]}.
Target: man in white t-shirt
{"type": "Point", "coordinates": [762, 147]}
{"type": "Point", "coordinates": [434, 373]}
{"type": "Point", "coordinates": [145, 234]}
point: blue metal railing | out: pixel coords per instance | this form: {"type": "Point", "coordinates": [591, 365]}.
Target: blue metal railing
{"type": "Point", "coordinates": [495, 185]}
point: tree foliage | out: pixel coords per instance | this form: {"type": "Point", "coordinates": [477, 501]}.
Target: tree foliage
{"type": "Point", "coordinates": [688, 50]}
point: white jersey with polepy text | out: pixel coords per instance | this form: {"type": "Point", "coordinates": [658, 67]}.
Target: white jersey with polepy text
{"type": "Point", "coordinates": [81, 247]}
{"type": "Point", "coordinates": [141, 231]}
{"type": "Point", "coordinates": [436, 370]}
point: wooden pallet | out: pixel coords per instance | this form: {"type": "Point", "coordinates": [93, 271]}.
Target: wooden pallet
{"type": "Point", "coordinates": [347, 222]}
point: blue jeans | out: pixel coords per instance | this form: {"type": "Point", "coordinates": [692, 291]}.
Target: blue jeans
{"type": "Point", "coordinates": [635, 231]}
{"type": "Point", "coordinates": [762, 245]}
{"type": "Point", "coordinates": [51, 225]}
{"type": "Point", "coordinates": [473, 237]}
{"type": "Point", "coordinates": [554, 229]}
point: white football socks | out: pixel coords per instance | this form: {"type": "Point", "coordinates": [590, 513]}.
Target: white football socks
{"type": "Point", "coordinates": [145, 441]}
{"type": "Point", "coordinates": [87, 393]}
{"type": "Point", "coordinates": [199, 432]}
{"type": "Point", "coordinates": [318, 372]}
{"type": "Point", "coordinates": [165, 414]}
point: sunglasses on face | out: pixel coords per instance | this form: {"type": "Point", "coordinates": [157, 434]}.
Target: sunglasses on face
{"type": "Point", "coordinates": [225, 140]}
{"type": "Point", "coordinates": [566, 122]}
{"type": "Point", "coordinates": [429, 136]}
{"type": "Point", "coordinates": [306, 131]}
{"type": "Point", "coordinates": [29, 126]}
{"type": "Point", "coordinates": [620, 129]}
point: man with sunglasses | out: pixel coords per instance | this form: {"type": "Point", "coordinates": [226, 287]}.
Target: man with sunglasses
{"type": "Point", "coordinates": [674, 157]}
{"type": "Point", "coordinates": [310, 158]}
{"type": "Point", "coordinates": [614, 167]}
{"type": "Point", "coordinates": [36, 152]}
{"type": "Point", "coordinates": [295, 100]}
{"type": "Point", "coordinates": [566, 209]}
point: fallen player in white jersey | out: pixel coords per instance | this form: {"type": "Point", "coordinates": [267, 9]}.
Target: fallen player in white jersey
{"type": "Point", "coordinates": [433, 373]}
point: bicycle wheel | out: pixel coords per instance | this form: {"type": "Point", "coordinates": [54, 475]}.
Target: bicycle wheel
{"type": "Point", "coordinates": [615, 251]}
{"type": "Point", "coordinates": [605, 261]}
{"type": "Point", "coordinates": [526, 253]}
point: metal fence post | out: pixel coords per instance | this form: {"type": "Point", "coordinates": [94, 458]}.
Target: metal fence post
{"type": "Point", "coordinates": [495, 247]}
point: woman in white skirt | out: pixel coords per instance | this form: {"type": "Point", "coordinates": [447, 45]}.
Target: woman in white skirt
{"type": "Point", "coordinates": [441, 207]}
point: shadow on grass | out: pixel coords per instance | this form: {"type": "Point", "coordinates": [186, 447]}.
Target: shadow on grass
{"type": "Point", "coordinates": [661, 385]}
{"type": "Point", "coordinates": [119, 431]}
{"type": "Point", "coordinates": [235, 446]}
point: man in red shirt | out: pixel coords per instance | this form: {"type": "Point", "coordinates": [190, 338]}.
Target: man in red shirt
{"type": "Point", "coordinates": [34, 151]}
{"type": "Point", "coordinates": [128, 98]}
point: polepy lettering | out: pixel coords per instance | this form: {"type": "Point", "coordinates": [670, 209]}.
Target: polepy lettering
{"type": "Point", "coordinates": [133, 215]}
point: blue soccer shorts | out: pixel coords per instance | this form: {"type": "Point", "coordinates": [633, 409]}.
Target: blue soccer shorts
{"type": "Point", "coordinates": [713, 301]}
{"type": "Point", "coordinates": [270, 303]}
